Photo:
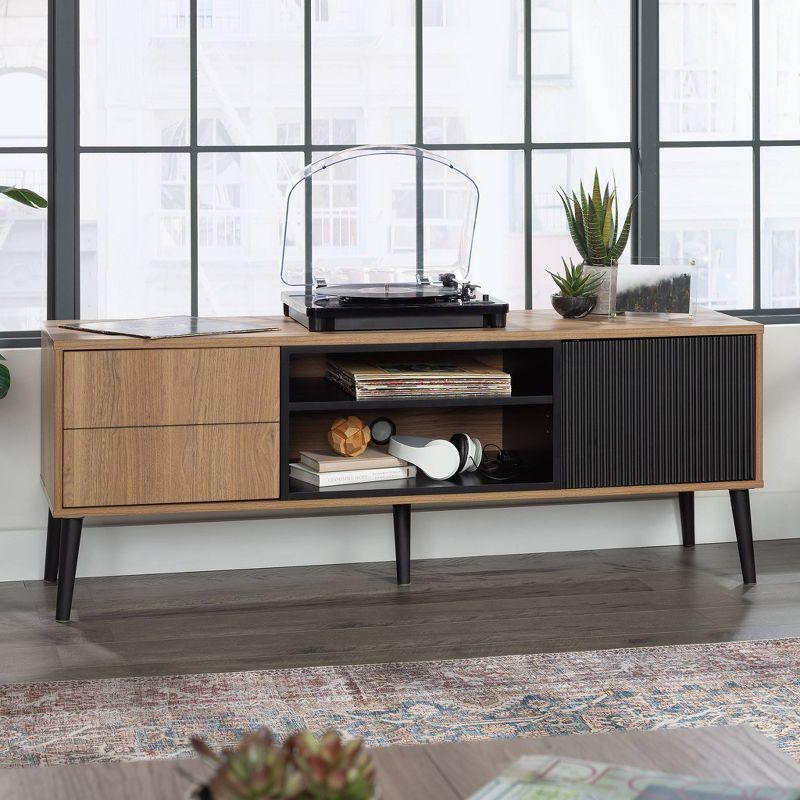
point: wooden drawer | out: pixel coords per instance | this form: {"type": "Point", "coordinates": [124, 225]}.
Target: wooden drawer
{"type": "Point", "coordinates": [118, 388]}
{"type": "Point", "coordinates": [181, 464]}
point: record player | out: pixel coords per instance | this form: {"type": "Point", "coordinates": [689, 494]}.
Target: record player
{"type": "Point", "coordinates": [383, 262]}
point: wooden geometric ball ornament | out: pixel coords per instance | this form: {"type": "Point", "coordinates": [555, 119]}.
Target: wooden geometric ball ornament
{"type": "Point", "coordinates": [349, 436]}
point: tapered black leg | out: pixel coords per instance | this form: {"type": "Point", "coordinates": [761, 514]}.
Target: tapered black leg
{"type": "Point", "coordinates": [686, 505]}
{"type": "Point", "coordinates": [52, 548]}
{"type": "Point", "coordinates": [740, 505]}
{"type": "Point", "coordinates": [67, 564]}
{"type": "Point", "coordinates": [402, 543]}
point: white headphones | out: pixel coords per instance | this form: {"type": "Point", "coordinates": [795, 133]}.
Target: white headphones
{"type": "Point", "coordinates": [438, 458]}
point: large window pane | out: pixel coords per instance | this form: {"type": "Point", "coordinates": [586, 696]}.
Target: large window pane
{"type": "Point", "coordinates": [23, 255]}
{"type": "Point", "coordinates": [707, 217]}
{"type": "Point", "coordinates": [363, 71]}
{"type": "Point", "coordinates": [567, 168]}
{"type": "Point", "coordinates": [474, 71]}
{"type": "Point", "coordinates": [250, 72]}
{"type": "Point", "coordinates": [134, 72]}
{"type": "Point", "coordinates": [23, 77]}
{"type": "Point", "coordinates": [780, 69]}
{"type": "Point", "coordinates": [134, 235]}
{"type": "Point", "coordinates": [581, 70]}
{"type": "Point", "coordinates": [498, 253]}
{"type": "Point", "coordinates": [780, 227]}
{"type": "Point", "coordinates": [363, 221]}
{"type": "Point", "coordinates": [706, 69]}
{"type": "Point", "coordinates": [242, 207]}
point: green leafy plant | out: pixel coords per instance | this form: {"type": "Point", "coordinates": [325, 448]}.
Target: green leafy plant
{"type": "Point", "coordinates": [593, 222]}
{"type": "Point", "coordinates": [577, 281]}
{"type": "Point", "coordinates": [303, 768]}
{"type": "Point", "coordinates": [27, 198]}
{"type": "Point", "coordinates": [5, 379]}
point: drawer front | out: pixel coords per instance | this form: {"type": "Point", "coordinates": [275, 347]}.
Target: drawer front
{"type": "Point", "coordinates": [183, 464]}
{"type": "Point", "coordinates": [658, 411]}
{"type": "Point", "coordinates": [182, 386]}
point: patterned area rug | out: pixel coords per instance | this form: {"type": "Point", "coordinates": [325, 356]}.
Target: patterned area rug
{"type": "Point", "coordinates": [754, 683]}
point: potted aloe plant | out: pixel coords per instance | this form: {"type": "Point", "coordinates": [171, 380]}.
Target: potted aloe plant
{"type": "Point", "coordinates": [302, 768]}
{"type": "Point", "coordinates": [27, 198]}
{"type": "Point", "coordinates": [578, 288]}
{"type": "Point", "coordinates": [593, 222]}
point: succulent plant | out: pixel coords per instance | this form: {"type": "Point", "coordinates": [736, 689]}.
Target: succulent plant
{"type": "Point", "coordinates": [303, 768]}
{"type": "Point", "coordinates": [256, 769]}
{"type": "Point", "coordinates": [333, 769]}
{"type": "Point", "coordinates": [577, 281]}
{"type": "Point", "coordinates": [593, 223]}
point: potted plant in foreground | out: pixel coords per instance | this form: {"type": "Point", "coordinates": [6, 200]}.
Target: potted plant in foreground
{"type": "Point", "coordinates": [27, 198]}
{"type": "Point", "coordinates": [578, 288]}
{"type": "Point", "coordinates": [593, 222]}
{"type": "Point", "coordinates": [302, 768]}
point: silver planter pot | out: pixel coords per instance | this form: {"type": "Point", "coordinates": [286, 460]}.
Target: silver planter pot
{"type": "Point", "coordinates": [607, 293]}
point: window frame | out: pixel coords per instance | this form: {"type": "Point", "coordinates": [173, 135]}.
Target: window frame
{"type": "Point", "coordinates": [649, 68]}
{"type": "Point", "coordinates": [63, 151]}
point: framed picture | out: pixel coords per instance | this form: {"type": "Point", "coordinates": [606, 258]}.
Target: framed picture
{"type": "Point", "coordinates": [654, 289]}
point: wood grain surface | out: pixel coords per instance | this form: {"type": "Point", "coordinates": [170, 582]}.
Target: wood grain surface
{"type": "Point", "coordinates": [376, 502]}
{"type": "Point", "coordinates": [315, 366]}
{"type": "Point", "coordinates": [208, 379]}
{"type": "Point", "coordinates": [176, 464]}
{"type": "Point", "coordinates": [119, 388]}
{"type": "Point", "coordinates": [50, 444]}
{"type": "Point", "coordinates": [180, 623]}
{"type": "Point", "coordinates": [521, 326]}
{"type": "Point", "coordinates": [447, 771]}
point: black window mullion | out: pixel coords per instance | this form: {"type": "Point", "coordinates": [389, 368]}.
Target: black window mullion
{"type": "Point", "coordinates": [527, 35]}
{"type": "Point", "coordinates": [648, 134]}
{"type": "Point", "coordinates": [63, 246]}
{"type": "Point", "coordinates": [419, 135]}
{"type": "Point", "coordinates": [194, 209]}
{"type": "Point", "coordinates": [756, 156]}
{"type": "Point", "coordinates": [308, 153]}
{"type": "Point", "coordinates": [634, 128]}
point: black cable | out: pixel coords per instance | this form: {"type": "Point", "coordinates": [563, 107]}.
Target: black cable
{"type": "Point", "coordinates": [503, 467]}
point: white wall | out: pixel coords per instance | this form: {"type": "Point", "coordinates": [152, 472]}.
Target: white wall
{"type": "Point", "coordinates": [319, 540]}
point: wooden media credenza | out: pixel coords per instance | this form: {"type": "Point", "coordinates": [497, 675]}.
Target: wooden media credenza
{"type": "Point", "coordinates": [208, 425]}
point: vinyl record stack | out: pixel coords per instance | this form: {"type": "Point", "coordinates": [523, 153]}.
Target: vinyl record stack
{"type": "Point", "coordinates": [374, 379]}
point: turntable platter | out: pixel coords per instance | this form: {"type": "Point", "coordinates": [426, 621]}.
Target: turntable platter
{"type": "Point", "coordinates": [388, 293]}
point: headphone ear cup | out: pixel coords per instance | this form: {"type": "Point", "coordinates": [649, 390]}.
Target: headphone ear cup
{"type": "Point", "coordinates": [478, 457]}
{"type": "Point", "coordinates": [461, 442]}
{"type": "Point", "coordinates": [475, 455]}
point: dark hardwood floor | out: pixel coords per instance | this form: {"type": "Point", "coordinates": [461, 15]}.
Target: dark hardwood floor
{"type": "Point", "coordinates": [354, 613]}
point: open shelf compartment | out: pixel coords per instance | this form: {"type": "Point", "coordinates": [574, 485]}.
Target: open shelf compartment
{"type": "Point", "coordinates": [523, 423]}
{"type": "Point", "coordinates": [531, 369]}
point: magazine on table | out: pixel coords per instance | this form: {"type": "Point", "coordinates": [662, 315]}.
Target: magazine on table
{"type": "Point", "coordinates": [547, 777]}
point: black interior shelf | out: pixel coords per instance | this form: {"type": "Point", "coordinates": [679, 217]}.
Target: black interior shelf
{"type": "Point", "coordinates": [320, 394]}
{"type": "Point", "coordinates": [471, 482]}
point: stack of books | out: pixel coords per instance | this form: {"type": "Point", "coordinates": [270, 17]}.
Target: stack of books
{"type": "Point", "coordinates": [326, 469]}
{"type": "Point", "coordinates": [463, 378]}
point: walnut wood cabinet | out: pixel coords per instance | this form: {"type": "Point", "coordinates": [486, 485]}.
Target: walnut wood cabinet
{"type": "Point", "coordinates": [208, 425]}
